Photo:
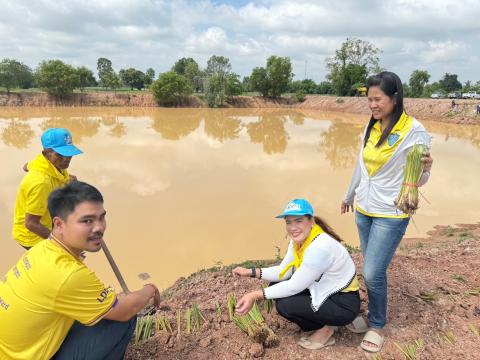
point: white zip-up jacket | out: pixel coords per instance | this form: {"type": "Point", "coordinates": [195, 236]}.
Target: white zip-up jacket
{"type": "Point", "coordinates": [326, 269]}
{"type": "Point", "coordinates": [376, 194]}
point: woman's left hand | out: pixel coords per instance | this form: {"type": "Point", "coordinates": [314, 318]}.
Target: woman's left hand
{"type": "Point", "coordinates": [427, 161]}
{"type": "Point", "coordinates": [246, 302]}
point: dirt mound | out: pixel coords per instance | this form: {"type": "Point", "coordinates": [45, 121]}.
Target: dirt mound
{"type": "Point", "coordinates": [434, 297]}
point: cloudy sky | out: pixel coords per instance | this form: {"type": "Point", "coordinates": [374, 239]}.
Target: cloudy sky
{"type": "Point", "coordinates": [438, 36]}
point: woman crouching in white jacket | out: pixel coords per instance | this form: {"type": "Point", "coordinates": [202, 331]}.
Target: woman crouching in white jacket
{"type": "Point", "coordinates": [315, 285]}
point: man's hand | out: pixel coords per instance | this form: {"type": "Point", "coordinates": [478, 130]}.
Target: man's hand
{"type": "Point", "coordinates": [427, 162]}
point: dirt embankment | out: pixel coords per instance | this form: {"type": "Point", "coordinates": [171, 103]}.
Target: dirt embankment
{"type": "Point", "coordinates": [434, 297]}
{"type": "Point", "coordinates": [423, 109]}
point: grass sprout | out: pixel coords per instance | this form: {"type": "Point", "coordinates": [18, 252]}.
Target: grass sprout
{"type": "Point", "coordinates": [411, 349]}
{"type": "Point", "coordinates": [448, 337]}
{"type": "Point", "coordinates": [197, 317]}
{"type": "Point", "coordinates": [231, 302]}
{"type": "Point", "coordinates": [179, 322]}
{"type": "Point", "coordinates": [475, 330]}
{"type": "Point", "coordinates": [162, 323]}
{"type": "Point", "coordinates": [144, 328]}
{"type": "Point", "coordinates": [218, 309]}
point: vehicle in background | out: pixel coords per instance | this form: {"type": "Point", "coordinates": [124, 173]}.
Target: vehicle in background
{"type": "Point", "coordinates": [437, 95]}
{"type": "Point", "coordinates": [455, 95]}
{"type": "Point", "coordinates": [471, 95]}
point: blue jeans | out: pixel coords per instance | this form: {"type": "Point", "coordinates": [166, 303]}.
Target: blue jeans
{"type": "Point", "coordinates": [379, 238]}
{"type": "Point", "coordinates": [106, 340]}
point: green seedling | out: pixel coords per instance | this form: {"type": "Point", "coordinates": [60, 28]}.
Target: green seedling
{"type": "Point", "coordinates": [197, 317]}
{"type": "Point", "coordinates": [188, 320]}
{"type": "Point", "coordinates": [411, 349]}
{"type": "Point", "coordinates": [218, 308]}
{"type": "Point", "coordinates": [459, 278]}
{"type": "Point", "coordinates": [144, 329]}
{"type": "Point", "coordinates": [231, 303]}
{"type": "Point", "coordinates": [448, 337]}
{"type": "Point", "coordinates": [428, 297]}
{"type": "Point", "coordinates": [475, 330]}
{"type": "Point", "coordinates": [474, 292]}
{"type": "Point", "coordinates": [179, 322]}
{"type": "Point", "coordinates": [162, 323]}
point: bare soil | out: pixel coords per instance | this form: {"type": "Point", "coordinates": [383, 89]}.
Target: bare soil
{"type": "Point", "coordinates": [434, 295]}
{"type": "Point", "coordinates": [423, 109]}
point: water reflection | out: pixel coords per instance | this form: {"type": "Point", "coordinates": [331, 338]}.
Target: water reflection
{"type": "Point", "coordinates": [80, 127]}
{"type": "Point", "coordinates": [340, 144]}
{"type": "Point", "coordinates": [18, 134]}
{"type": "Point", "coordinates": [270, 132]}
{"type": "Point", "coordinates": [174, 125]}
{"type": "Point", "coordinates": [220, 126]}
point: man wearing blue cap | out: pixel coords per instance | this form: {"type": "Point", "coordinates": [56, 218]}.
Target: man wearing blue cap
{"type": "Point", "coordinates": [47, 172]}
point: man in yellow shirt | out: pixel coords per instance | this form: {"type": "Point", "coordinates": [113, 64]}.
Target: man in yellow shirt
{"type": "Point", "coordinates": [47, 172]}
{"type": "Point", "coordinates": [52, 305]}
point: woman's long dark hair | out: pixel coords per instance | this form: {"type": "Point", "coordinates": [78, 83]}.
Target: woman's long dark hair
{"type": "Point", "coordinates": [325, 227]}
{"type": "Point", "coordinates": [391, 85]}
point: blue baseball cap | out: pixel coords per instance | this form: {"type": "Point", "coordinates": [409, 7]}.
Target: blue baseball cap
{"type": "Point", "coordinates": [297, 207]}
{"type": "Point", "coordinates": [60, 141]}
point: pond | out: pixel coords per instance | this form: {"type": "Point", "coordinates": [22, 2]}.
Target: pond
{"type": "Point", "coordinates": [186, 189]}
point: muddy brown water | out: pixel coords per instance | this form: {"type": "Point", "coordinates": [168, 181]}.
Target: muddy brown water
{"type": "Point", "coordinates": [186, 189]}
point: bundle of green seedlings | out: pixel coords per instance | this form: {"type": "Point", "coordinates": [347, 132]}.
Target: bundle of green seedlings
{"type": "Point", "coordinates": [407, 199]}
{"type": "Point", "coordinates": [144, 328]}
{"type": "Point", "coordinates": [253, 324]}
{"type": "Point", "coordinates": [162, 323]}
{"type": "Point", "coordinates": [193, 318]}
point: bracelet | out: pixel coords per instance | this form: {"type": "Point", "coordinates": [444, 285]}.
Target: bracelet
{"type": "Point", "coordinates": [263, 294]}
{"type": "Point", "coordinates": [254, 273]}
{"type": "Point", "coordinates": [260, 274]}
{"type": "Point", "coordinates": [154, 288]}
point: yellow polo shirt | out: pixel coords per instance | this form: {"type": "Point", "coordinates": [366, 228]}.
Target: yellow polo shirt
{"type": "Point", "coordinates": [40, 298]}
{"type": "Point", "coordinates": [32, 197]}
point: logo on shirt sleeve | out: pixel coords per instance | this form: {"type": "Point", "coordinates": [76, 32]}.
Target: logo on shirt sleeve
{"type": "Point", "coordinates": [104, 294]}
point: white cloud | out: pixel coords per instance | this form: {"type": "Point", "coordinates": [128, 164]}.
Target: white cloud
{"type": "Point", "coordinates": [155, 33]}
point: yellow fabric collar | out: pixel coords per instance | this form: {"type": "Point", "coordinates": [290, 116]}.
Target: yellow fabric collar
{"type": "Point", "coordinates": [299, 251]}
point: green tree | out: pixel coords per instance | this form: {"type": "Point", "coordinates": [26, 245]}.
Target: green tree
{"type": "Point", "coordinates": [57, 78]}
{"type": "Point", "coordinates": [234, 86]}
{"type": "Point", "coordinates": [170, 88]}
{"type": "Point", "coordinates": [279, 75]}
{"type": "Point", "coordinates": [194, 76]}
{"type": "Point", "coordinates": [325, 87]}
{"type": "Point", "coordinates": [15, 74]}
{"type": "Point", "coordinates": [352, 63]}
{"type": "Point", "coordinates": [418, 80]}
{"type": "Point", "coordinates": [218, 73]}
{"type": "Point", "coordinates": [149, 77]}
{"type": "Point", "coordinates": [133, 78]}
{"type": "Point", "coordinates": [105, 70]}
{"type": "Point", "coordinates": [85, 77]}
{"type": "Point", "coordinates": [450, 83]}
{"type": "Point", "coordinates": [306, 86]}
{"type": "Point", "coordinates": [180, 66]}
{"type": "Point", "coordinates": [259, 81]}
{"type": "Point", "coordinates": [429, 89]}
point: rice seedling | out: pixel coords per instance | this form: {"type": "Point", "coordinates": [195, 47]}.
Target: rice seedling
{"type": "Point", "coordinates": [253, 324]}
{"type": "Point", "coordinates": [429, 297]}
{"type": "Point", "coordinates": [162, 323]}
{"type": "Point", "coordinates": [144, 328]}
{"type": "Point", "coordinates": [450, 231]}
{"type": "Point", "coordinates": [475, 330]}
{"type": "Point", "coordinates": [464, 236]}
{"type": "Point", "coordinates": [459, 278]}
{"type": "Point", "coordinates": [473, 292]}
{"type": "Point", "coordinates": [197, 317]}
{"type": "Point", "coordinates": [218, 309]}
{"type": "Point", "coordinates": [268, 305]}
{"type": "Point", "coordinates": [231, 302]}
{"type": "Point", "coordinates": [179, 322]}
{"type": "Point", "coordinates": [448, 337]}
{"type": "Point", "coordinates": [188, 320]}
{"type": "Point", "coordinates": [407, 199]}
{"type": "Point", "coordinates": [411, 349]}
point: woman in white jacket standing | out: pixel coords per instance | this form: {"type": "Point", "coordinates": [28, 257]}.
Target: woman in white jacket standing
{"type": "Point", "coordinates": [315, 285]}
{"type": "Point", "coordinates": [376, 182]}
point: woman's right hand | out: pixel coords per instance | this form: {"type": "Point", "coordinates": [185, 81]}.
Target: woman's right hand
{"type": "Point", "coordinates": [345, 208]}
{"type": "Point", "coordinates": [241, 271]}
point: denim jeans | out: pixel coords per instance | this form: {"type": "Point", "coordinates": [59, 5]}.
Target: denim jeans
{"type": "Point", "coordinates": [106, 340]}
{"type": "Point", "coordinates": [379, 238]}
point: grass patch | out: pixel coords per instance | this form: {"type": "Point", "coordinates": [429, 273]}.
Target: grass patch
{"type": "Point", "coordinates": [464, 236]}
{"type": "Point", "coordinates": [473, 292]}
{"type": "Point", "coordinates": [352, 249]}
{"type": "Point", "coordinates": [411, 350]}
{"type": "Point", "coordinates": [459, 278]}
{"type": "Point", "coordinates": [429, 297]}
{"type": "Point", "coordinates": [339, 101]}
{"type": "Point", "coordinates": [450, 231]}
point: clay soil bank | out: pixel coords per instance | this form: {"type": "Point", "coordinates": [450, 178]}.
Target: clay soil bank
{"type": "Point", "coordinates": [434, 296]}
{"type": "Point", "coordinates": [423, 109]}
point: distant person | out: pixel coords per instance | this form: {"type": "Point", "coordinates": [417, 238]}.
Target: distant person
{"type": "Point", "coordinates": [376, 182]}
{"type": "Point", "coordinates": [315, 285]}
{"type": "Point", "coordinates": [478, 109]}
{"type": "Point", "coordinates": [45, 173]}
{"type": "Point", "coordinates": [454, 105]}
{"type": "Point", "coordinates": [51, 305]}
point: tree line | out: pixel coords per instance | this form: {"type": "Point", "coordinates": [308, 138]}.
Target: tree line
{"type": "Point", "coordinates": [348, 71]}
